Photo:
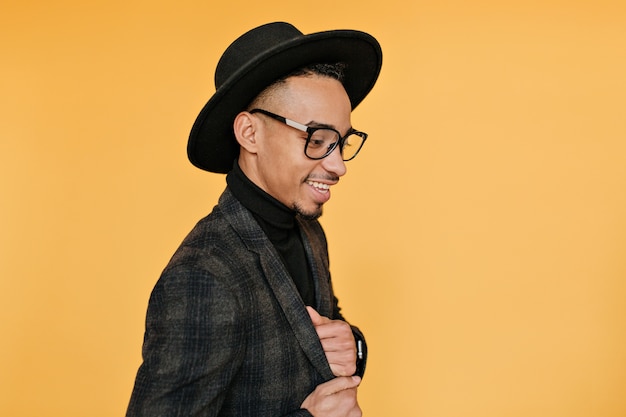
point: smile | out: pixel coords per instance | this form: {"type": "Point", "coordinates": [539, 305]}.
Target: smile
{"type": "Point", "coordinates": [322, 188]}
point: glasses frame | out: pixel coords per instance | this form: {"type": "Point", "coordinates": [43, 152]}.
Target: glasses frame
{"type": "Point", "coordinates": [309, 130]}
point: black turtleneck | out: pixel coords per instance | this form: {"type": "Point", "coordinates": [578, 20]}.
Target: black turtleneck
{"type": "Point", "coordinates": [280, 225]}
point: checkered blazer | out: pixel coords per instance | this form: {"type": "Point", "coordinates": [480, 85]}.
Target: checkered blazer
{"type": "Point", "coordinates": [227, 333]}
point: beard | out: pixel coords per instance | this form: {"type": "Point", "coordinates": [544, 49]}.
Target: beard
{"type": "Point", "coordinates": [308, 215]}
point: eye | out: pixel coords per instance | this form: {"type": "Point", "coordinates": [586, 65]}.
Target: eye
{"type": "Point", "coordinates": [322, 138]}
{"type": "Point", "coordinates": [316, 142]}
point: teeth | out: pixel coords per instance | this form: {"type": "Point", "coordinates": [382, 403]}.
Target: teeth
{"type": "Point", "coordinates": [319, 185]}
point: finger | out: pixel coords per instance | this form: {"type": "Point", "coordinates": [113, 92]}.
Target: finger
{"type": "Point", "coordinates": [343, 369]}
{"type": "Point", "coordinates": [340, 383]}
{"type": "Point", "coordinates": [335, 329]}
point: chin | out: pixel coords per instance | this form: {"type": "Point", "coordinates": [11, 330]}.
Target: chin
{"type": "Point", "coordinates": [308, 214]}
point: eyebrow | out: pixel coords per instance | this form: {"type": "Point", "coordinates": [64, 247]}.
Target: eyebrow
{"type": "Point", "coordinates": [313, 123]}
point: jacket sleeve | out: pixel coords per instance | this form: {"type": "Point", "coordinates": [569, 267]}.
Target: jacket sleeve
{"type": "Point", "coordinates": [193, 346]}
{"type": "Point", "coordinates": [361, 350]}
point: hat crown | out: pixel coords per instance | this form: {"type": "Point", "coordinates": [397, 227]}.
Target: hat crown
{"type": "Point", "coordinates": [250, 45]}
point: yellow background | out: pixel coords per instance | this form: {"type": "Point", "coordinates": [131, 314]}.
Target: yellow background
{"type": "Point", "coordinates": [479, 239]}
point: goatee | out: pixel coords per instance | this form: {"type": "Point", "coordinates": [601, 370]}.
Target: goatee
{"type": "Point", "coordinates": [308, 215]}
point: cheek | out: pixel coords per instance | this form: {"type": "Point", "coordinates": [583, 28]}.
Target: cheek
{"type": "Point", "coordinates": [286, 156]}
{"type": "Point", "coordinates": [288, 176]}
{"type": "Point", "coordinates": [284, 163]}
{"type": "Point", "coordinates": [280, 171]}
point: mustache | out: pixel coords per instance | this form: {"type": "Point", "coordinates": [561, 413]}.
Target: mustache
{"type": "Point", "coordinates": [314, 177]}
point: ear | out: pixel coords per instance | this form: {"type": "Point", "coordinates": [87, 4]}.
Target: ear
{"type": "Point", "coordinates": [245, 128]}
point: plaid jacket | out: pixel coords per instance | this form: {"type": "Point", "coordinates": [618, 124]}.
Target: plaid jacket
{"type": "Point", "coordinates": [226, 332]}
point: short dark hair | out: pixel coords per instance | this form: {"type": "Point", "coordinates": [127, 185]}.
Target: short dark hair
{"type": "Point", "coordinates": [331, 70]}
{"type": "Point", "coordinates": [335, 70]}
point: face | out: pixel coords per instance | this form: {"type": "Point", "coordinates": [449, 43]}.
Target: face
{"type": "Point", "coordinates": [279, 165]}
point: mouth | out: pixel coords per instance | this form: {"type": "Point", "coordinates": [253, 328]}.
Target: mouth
{"type": "Point", "coordinates": [318, 186]}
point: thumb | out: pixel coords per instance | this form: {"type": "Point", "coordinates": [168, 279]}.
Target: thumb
{"type": "Point", "coordinates": [315, 316]}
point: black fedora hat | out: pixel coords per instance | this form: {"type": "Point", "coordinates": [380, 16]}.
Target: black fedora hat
{"type": "Point", "coordinates": [260, 57]}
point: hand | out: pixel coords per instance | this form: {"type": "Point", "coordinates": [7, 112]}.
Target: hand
{"type": "Point", "coordinates": [335, 398]}
{"type": "Point", "coordinates": [338, 343]}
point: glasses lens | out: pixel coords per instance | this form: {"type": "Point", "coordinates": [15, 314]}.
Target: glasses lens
{"type": "Point", "coordinates": [320, 143]}
{"type": "Point", "coordinates": [352, 145]}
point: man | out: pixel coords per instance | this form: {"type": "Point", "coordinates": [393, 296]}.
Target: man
{"type": "Point", "coordinates": [243, 321]}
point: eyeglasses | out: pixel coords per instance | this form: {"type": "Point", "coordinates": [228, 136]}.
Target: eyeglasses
{"type": "Point", "coordinates": [322, 141]}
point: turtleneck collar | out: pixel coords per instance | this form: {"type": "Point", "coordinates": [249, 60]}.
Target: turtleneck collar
{"type": "Point", "coordinates": [274, 215]}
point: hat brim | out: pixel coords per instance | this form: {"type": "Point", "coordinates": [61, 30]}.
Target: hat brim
{"type": "Point", "coordinates": [212, 145]}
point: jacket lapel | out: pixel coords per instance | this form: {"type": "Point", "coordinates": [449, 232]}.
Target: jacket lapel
{"type": "Point", "coordinates": [315, 253]}
{"type": "Point", "coordinates": [287, 295]}
{"type": "Point", "coordinates": [281, 283]}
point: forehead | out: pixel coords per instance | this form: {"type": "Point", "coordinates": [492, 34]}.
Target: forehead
{"type": "Point", "coordinates": [313, 97]}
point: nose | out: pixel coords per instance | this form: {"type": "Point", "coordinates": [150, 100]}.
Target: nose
{"type": "Point", "coordinates": [334, 163]}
